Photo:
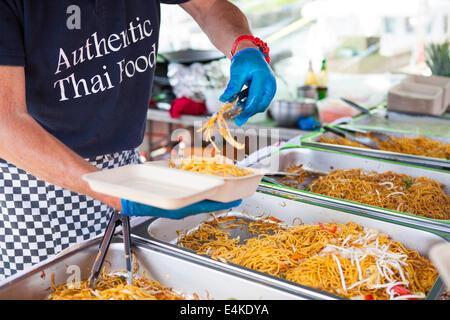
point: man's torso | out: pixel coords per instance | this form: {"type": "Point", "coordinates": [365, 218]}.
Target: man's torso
{"type": "Point", "coordinates": [89, 67]}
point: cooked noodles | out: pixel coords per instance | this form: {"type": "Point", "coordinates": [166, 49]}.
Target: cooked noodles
{"type": "Point", "coordinates": [418, 196]}
{"type": "Point", "coordinates": [214, 166]}
{"type": "Point", "coordinates": [419, 146]}
{"type": "Point", "coordinates": [218, 122]}
{"type": "Point", "coordinates": [347, 260]}
{"type": "Point", "coordinates": [114, 286]}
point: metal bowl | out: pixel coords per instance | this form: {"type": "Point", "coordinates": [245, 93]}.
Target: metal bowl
{"type": "Point", "coordinates": [307, 92]}
{"type": "Point", "coordinates": [287, 112]}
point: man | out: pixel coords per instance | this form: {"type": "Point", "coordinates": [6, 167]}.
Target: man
{"type": "Point", "coordinates": [75, 84]}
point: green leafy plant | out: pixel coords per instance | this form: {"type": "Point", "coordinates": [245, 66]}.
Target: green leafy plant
{"type": "Point", "coordinates": [438, 59]}
{"type": "Point", "coordinates": [407, 181]}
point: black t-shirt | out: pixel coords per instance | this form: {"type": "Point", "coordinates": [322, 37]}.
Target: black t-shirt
{"type": "Point", "coordinates": [89, 66]}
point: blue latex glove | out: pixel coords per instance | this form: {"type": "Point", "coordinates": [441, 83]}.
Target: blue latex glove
{"type": "Point", "coordinates": [131, 208]}
{"type": "Point", "coordinates": [308, 123]}
{"type": "Point", "coordinates": [249, 67]}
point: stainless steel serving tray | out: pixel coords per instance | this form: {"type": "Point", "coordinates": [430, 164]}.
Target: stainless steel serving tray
{"type": "Point", "coordinates": [321, 160]}
{"type": "Point", "coordinates": [173, 270]}
{"type": "Point", "coordinates": [403, 123]}
{"type": "Point", "coordinates": [313, 140]}
{"type": "Point", "coordinates": [165, 233]}
{"type": "Point", "coordinates": [382, 119]}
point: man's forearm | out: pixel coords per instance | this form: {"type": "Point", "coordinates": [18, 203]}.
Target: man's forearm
{"type": "Point", "coordinates": [222, 22]}
{"type": "Point", "coordinates": [24, 143]}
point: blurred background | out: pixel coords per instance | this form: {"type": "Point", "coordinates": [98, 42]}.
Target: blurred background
{"type": "Point", "coordinates": [356, 49]}
{"type": "Point", "coordinates": [355, 36]}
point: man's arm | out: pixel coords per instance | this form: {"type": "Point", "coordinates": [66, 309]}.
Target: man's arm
{"type": "Point", "coordinates": [24, 143]}
{"type": "Point", "coordinates": [221, 21]}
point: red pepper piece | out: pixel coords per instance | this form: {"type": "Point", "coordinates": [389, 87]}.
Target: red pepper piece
{"type": "Point", "coordinates": [402, 291]}
{"type": "Point", "coordinates": [325, 228]}
{"type": "Point", "coordinates": [275, 219]}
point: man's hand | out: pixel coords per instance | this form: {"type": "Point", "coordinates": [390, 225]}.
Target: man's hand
{"type": "Point", "coordinates": [248, 67]}
{"type": "Point", "coordinates": [131, 208]}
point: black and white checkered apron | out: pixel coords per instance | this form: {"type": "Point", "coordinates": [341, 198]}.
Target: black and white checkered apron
{"type": "Point", "coordinates": [38, 219]}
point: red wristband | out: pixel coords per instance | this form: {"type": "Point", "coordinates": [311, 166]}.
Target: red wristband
{"type": "Point", "coordinates": [262, 46]}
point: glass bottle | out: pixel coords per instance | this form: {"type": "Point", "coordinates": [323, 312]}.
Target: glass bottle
{"type": "Point", "coordinates": [322, 81]}
{"type": "Point", "coordinates": [310, 79]}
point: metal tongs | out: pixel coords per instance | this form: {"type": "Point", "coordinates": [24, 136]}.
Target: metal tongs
{"type": "Point", "coordinates": [356, 106]}
{"type": "Point", "coordinates": [237, 108]}
{"type": "Point", "coordinates": [116, 219]}
{"type": "Point", "coordinates": [345, 134]}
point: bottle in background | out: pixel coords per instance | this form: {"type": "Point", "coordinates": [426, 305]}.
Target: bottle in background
{"type": "Point", "coordinates": [322, 81]}
{"type": "Point", "coordinates": [310, 79]}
